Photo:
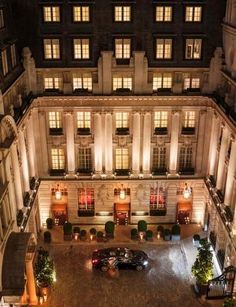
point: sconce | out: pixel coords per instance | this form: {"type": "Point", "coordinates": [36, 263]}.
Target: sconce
{"type": "Point", "coordinates": [58, 193]}
{"type": "Point", "coordinates": [122, 193]}
{"type": "Point", "coordinates": [187, 191]}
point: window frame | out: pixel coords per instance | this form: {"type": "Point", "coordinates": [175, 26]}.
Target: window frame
{"type": "Point", "coordinates": [123, 47]}
{"type": "Point", "coordinates": [51, 14]}
{"type": "Point", "coordinates": [52, 50]}
{"type": "Point", "coordinates": [164, 6]}
{"type": "Point", "coordinates": [60, 158]}
{"type": "Point", "coordinates": [193, 58]}
{"type": "Point", "coordinates": [81, 6]}
{"type": "Point", "coordinates": [122, 6]}
{"type": "Point", "coordinates": [81, 40]}
{"type": "Point", "coordinates": [164, 46]}
{"type": "Point", "coordinates": [194, 6]}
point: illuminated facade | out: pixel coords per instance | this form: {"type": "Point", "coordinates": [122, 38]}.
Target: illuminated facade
{"type": "Point", "coordinates": [105, 126]}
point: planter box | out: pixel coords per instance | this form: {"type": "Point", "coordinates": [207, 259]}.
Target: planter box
{"type": "Point", "coordinates": [167, 237]}
{"type": "Point", "coordinates": [196, 243]}
{"type": "Point", "coordinates": [200, 289]}
{"type": "Point", "coordinates": [175, 237]}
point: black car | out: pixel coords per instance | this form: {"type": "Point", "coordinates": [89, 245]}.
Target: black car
{"type": "Point", "coordinates": [119, 257]}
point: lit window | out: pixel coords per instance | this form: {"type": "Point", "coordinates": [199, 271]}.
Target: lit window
{"type": "Point", "coordinates": [52, 83]}
{"type": "Point", "coordinates": [122, 48]}
{"type": "Point", "coordinates": [85, 159]}
{"type": "Point", "coordinates": [2, 24]}
{"type": "Point", "coordinates": [81, 48]}
{"type": "Point", "coordinates": [162, 81]}
{"type": "Point", "coordinates": [189, 119]}
{"type": "Point", "coordinates": [122, 120]}
{"type": "Point", "coordinates": [185, 158]}
{"type": "Point", "coordinates": [122, 158]}
{"type": "Point", "coordinates": [163, 48]}
{"type": "Point", "coordinates": [193, 13]}
{"type": "Point", "coordinates": [83, 120]}
{"type": "Point", "coordinates": [58, 158]}
{"type": "Point", "coordinates": [4, 62]}
{"type": "Point", "coordinates": [122, 13]}
{"type": "Point", "coordinates": [13, 55]}
{"type": "Point", "coordinates": [51, 49]}
{"type": "Point", "coordinates": [164, 13]}
{"type": "Point", "coordinates": [159, 158]}
{"type": "Point", "coordinates": [161, 119]}
{"type": "Point", "coordinates": [193, 48]}
{"type": "Point", "coordinates": [83, 81]}
{"type": "Point", "coordinates": [54, 120]}
{"type": "Point", "coordinates": [86, 199]}
{"type": "Point", "coordinates": [157, 198]}
{"type": "Point", "coordinates": [191, 82]}
{"type": "Point", "coordinates": [122, 82]}
{"type": "Point", "coordinates": [81, 14]}
{"type": "Point", "coordinates": [51, 13]}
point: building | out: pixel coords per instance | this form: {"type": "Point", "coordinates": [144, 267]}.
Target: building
{"type": "Point", "coordinates": [121, 118]}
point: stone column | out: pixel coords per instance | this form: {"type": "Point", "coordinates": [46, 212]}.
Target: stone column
{"type": "Point", "coordinates": [31, 147]}
{"type": "Point", "coordinates": [24, 160]}
{"type": "Point", "coordinates": [174, 142]}
{"type": "Point", "coordinates": [136, 144]}
{"type": "Point", "coordinates": [33, 300]}
{"type": "Point", "coordinates": [17, 176]}
{"type": "Point", "coordinates": [222, 155]}
{"type": "Point", "coordinates": [200, 142]}
{"type": "Point", "coordinates": [98, 143]}
{"type": "Point", "coordinates": [70, 143]}
{"type": "Point", "coordinates": [106, 74]}
{"type": "Point", "coordinates": [146, 143]}
{"type": "Point", "coordinates": [108, 144]}
{"type": "Point", "coordinates": [140, 71]}
{"type": "Point", "coordinates": [213, 145]}
{"type": "Point", "coordinates": [43, 170]}
{"type": "Point", "coordinates": [30, 71]}
{"type": "Point", "coordinates": [230, 175]}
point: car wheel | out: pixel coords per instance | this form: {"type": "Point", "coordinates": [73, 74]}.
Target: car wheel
{"type": "Point", "coordinates": [139, 268]}
{"type": "Point", "coordinates": [104, 268]}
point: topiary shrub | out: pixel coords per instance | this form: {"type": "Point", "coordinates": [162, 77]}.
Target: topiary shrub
{"type": "Point", "coordinates": [109, 229]}
{"type": "Point", "coordinates": [67, 228]}
{"type": "Point", "coordinates": [134, 234]}
{"type": "Point", "coordinates": [49, 222]}
{"type": "Point", "coordinates": [44, 269]}
{"type": "Point", "coordinates": [167, 234]}
{"type": "Point", "coordinates": [149, 235]}
{"type": "Point", "coordinates": [47, 237]}
{"type": "Point", "coordinates": [142, 226]}
{"type": "Point", "coordinates": [93, 231]}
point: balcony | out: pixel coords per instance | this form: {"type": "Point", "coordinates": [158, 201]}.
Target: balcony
{"type": "Point", "coordinates": [122, 172]}
{"type": "Point", "coordinates": [123, 91]}
{"type": "Point", "coordinates": [122, 131]}
{"type": "Point", "coordinates": [159, 171]}
{"type": "Point", "coordinates": [57, 172]}
{"type": "Point", "coordinates": [161, 131]}
{"type": "Point", "coordinates": [55, 131]}
{"type": "Point", "coordinates": [81, 91]}
{"type": "Point", "coordinates": [187, 171]}
{"type": "Point", "coordinates": [84, 171]}
{"type": "Point", "coordinates": [83, 131]}
{"type": "Point", "coordinates": [188, 130]}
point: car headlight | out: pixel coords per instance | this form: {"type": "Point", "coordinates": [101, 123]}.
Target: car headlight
{"type": "Point", "coordinates": [145, 262]}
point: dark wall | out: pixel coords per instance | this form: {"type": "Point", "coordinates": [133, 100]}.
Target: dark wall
{"type": "Point", "coordinates": [102, 30]}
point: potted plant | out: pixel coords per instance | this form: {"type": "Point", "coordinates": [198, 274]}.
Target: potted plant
{"type": "Point", "coordinates": [67, 228]}
{"type": "Point", "coordinates": [134, 234]}
{"type": "Point", "coordinates": [149, 235]}
{"type": "Point", "coordinates": [109, 229]}
{"type": "Point", "coordinates": [167, 234]}
{"type": "Point", "coordinates": [49, 222]}
{"type": "Point", "coordinates": [175, 233]}
{"type": "Point", "coordinates": [93, 233]}
{"type": "Point", "coordinates": [160, 230]}
{"type": "Point", "coordinates": [76, 231]}
{"type": "Point", "coordinates": [99, 236]}
{"type": "Point", "coordinates": [47, 237]}
{"type": "Point", "coordinates": [196, 240]}
{"type": "Point", "coordinates": [202, 268]}
{"type": "Point", "coordinates": [83, 234]}
{"type": "Point", "coordinates": [229, 302]}
{"type": "Point", "coordinates": [44, 270]}
{"type": "Point", "coordinates": [142, 226]}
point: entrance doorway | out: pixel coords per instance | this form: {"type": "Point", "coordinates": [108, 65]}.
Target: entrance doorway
{"type": "Point", "coordinates": [184, 212]}
{"type": "Point", "coordinates": [59, 213]}
{"type": "Point", "coordinates": [121, 213]}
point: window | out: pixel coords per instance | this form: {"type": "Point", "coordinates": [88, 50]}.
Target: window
{"type": "Point", "coordinates": [162, 81]}
{"type": "Point", "coordinates": [81, 48]}
{"type": "Point", "coordinates": [86, 199]}
{"type": "Point", "coordinates": [122, 48]}
{"type": "Point", "coordinates": [122, 120]}
{"type": "Point", "coordinates": [159, 158]}
{"type": "Point", "coordinates": [163, 48]}
{"type": "Point", "coordinates": [191, 82]}
{"type": "Point", "coordinates": [185, 158]}
{"type": "Point", "coordinates": [58, 158]}
{"type": "Point", "coordinates": [193, 48]}
{"type": "Point", "coordinates": [83, 120]}
{"type": "Point", "coordinates": [2, 24]}
{"type": "Point", "coordinates": [189, 119]}
{"type": "Point", "coordinates": [122, 158]}
{"type": "Point", "coordinates": [81, 14]}
{"type": "Point", "coordinates": [13, 55]}
{"type": "Point", "coordinates": [4, 62]}
{"type": "Point", "coordinates": [51, 14]}
{"type": "Point", "coordinates": [122, 82]}
{"type": "Point", "coordinates": [84, 160]}
{"type": "Point", "coordinates": [157, 198]}
{"type": "Point", "coordinates": [55, 120]}
{"type": "Point", "coordinates": [83, 81]}
{"type": "Point", "coordinates": [122, 13]}
{"type": "Point", "coordinates": [193, 14]}
{"type": "Point", "coordinates": [161, 119]}
{"type": "Point", "coordinates": [51, 49]}
{"type": "Point", "coordinates": [163, 13]}
{"type": "Point", "coordinates": [52, 83]}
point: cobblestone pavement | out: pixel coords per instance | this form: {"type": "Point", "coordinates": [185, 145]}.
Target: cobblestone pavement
{"type": "Point", "coordinates": [164, 284]}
